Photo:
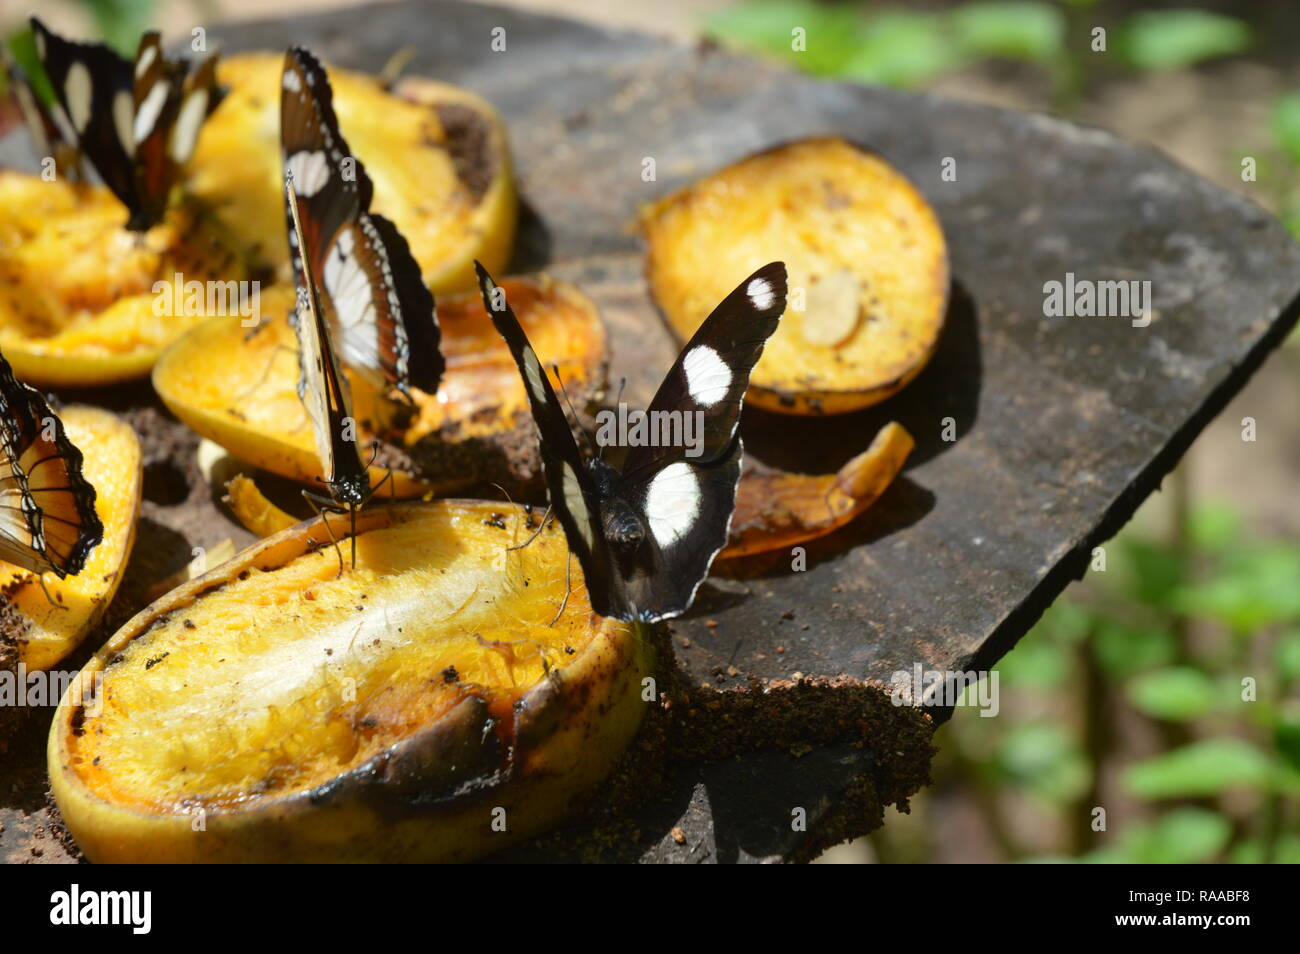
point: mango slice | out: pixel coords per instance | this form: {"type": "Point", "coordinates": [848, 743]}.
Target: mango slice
{"type": "Point", "coordinates": [437, 155]}
{"type": "Point", "coordinates": [112, 463]}
{"type": "Point", "coordinates": [866, 257]}
{"type": "Point", "coordinates": [83, 301]}
{"type": "Point", "coordinates": [775, 510]}
{"type": "Point", "coordinates": [238, 387]}
{"type": "Point", "coordinates": [426, 705]}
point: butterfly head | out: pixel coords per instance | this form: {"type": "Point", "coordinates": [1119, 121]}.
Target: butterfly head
{"type": "Point", "coordinates": [353, 489]}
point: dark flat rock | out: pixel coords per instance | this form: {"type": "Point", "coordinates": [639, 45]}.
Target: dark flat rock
{"type": "Point", "coordinates": [1063, 425]}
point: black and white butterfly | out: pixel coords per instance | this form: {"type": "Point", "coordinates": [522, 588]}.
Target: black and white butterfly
{"type": "Point", "coordinates": [136, 122]}
{"type": "Point", "coordinates": [48, 522]}
{"type": "Point", "coordinates": [323, 388]}
{"type": "Point", "coordinates": [51, 134]}
{"type": "Point", "coordinates": [376, 304]}
{"type": "Point", "coordinates": [647, 535]}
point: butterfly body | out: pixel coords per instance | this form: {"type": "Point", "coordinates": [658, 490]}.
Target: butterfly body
{"type": "Point", "coordinates": [646, 534]}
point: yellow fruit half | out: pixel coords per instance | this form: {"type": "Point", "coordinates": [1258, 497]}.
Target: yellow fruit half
{"type": "Point", "coordinates": [238, 387]}
{"type": "Point", "coordinates": [425, 705]}
{"type": "Point", "coordinates": [867, 264]}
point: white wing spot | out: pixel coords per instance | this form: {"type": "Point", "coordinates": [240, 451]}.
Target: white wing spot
{"type": "Point", "coordinates": [147, 56]}
{"type": "Point", "coordinates": [310, 172]}
{"type": "Point", "coordinates": [672, 503]}
{"type": "Point", "coordinates": [533, 372]}
{"type": "Point", "coordinates": [146, 117]}
{"type": "Point", "coordinates": [291, 81]}
{"type": "Point", "coordinates": [761, 294]}
{"type": "Point", "coordinates": [124, 119]}
{"type": "Point", "coordinates": [186, 131]}
{"type": "Point", "coordinates": [707, 376]}
{"type": "Point", "coordinates": [77, 91]}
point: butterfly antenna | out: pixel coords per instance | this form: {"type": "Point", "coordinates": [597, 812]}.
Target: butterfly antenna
{"type": "Point", "coordinates": [576, 420]}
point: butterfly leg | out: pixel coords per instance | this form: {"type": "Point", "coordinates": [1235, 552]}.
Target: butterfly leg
{"type": "Point", "coordinates": [40, 578]}
{"type": "Point", "coordinates": [568, 564]}
{"type": "Point", "coordinates": [322, 506]}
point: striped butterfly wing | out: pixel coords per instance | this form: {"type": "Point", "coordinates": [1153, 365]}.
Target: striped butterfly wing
{"type": "Point", "coordinates": [322, 385]}
{"type": "Point", "coordinates": [47, 507]}
{"type": "Point", "coordinates": [383, 317]}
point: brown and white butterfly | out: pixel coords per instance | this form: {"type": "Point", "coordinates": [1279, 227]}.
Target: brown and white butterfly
{"type": "Point", "coordinates": [647, 534]}
{"type": "Point", "coordinates": [374, 300]}
{"type": "Point", "coordinates": [48, 522]}
{"type": "Point", "coordinates": [136, 122]}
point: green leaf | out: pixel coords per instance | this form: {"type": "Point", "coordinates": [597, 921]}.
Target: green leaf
{"type": "Point", "coordinates": [1288, 656]}
{"type": "Point", "coordinates": [1065, 621]}
{"type": "Point", "coordinates": [1284, 117]}
{"type": "Point", "coordinates": [1123, 650]}
{"type": "Point", "coordinates": [1251, 590]}
{"type": "Point", "coordinates": [1213, 526]}
{"type": "Point", "coordinates": [1012, 30]}
{"type": "Point", "coordinates": [829, 32]}
{"type": "Point", "coordinates": [1286, 737]}
{"type": "Point", "coordinates": [1177, 694]}
{"type": "Point", "coordinates": [121, 22]}
{"type": "Point", "coordinates": [1251, 852]}
{"type": "Point", "coordinates": [1153, 572]}
{"type": "Point", "coordinates": [1044, 758]}
{"type": "Point", "coordinates": [1202, 768]}
{"type": "Point", "coordinates": [1180, 837]}
{"type": "Point", "coordinates": [1172, 39]}
{"type": "Point", "coordinates": [1036, 662]}
{"type": "Point", "coordinates": [901, 49]}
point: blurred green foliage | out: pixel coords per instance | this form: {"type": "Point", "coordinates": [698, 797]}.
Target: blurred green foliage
{"type": "Point", "coordinates": [1198, 637]}
{"type": "Point", "coordinates": [888, 44]}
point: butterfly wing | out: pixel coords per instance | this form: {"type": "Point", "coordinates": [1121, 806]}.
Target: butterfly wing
{"type": "Point", "coordinates": [49, 129]}
{"type": "Point", "coordinates": [47, 507]}
{"type": "Point", "coordinates": [685, 494]}
{"type": "Point", "coordinates": [574, 496]}
{"type": "Point", "coordinates": [374, 298]}
{"type": "Point", "coordinates": [95, 87]}
{"type": "Point", "coordinates": [322, 385]}
{"type": "Point", "coordinates": [156, 93]}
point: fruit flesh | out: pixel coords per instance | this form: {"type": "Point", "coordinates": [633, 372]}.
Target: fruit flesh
{"type": "Point", "coordinates": [857, 239]}
{"type": "Point", "coordinates": [305, 673]}
{"type": "Point", "coordinates": [85, 302]}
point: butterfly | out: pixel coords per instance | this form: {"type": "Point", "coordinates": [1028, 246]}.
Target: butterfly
{"type": "Point", "coordinates": [647, 534]}
{"type": "Point", "coordinates": [376, 304]}
{"type": "Point", "coordinates": [325, 394]}
{"type": "Point", "coordinates": [136, 122]}
{"type": "Point", "coordinates": [49, 129]}
{"type": "Point", "coordinates": [48, 521]}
